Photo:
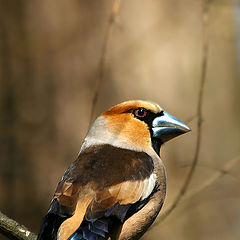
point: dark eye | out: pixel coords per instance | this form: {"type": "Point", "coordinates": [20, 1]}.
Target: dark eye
{"type": "Point", "coordinates": [140, 112]}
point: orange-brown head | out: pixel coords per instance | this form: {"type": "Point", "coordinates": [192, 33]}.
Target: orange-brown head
{"type": "Point", "coordinates": [137, 125]}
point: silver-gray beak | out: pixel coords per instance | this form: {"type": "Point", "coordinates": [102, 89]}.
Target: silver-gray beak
{"type": "Point", "coordinates": [166, 127]}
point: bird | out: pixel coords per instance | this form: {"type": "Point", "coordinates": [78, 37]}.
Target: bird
{"type": "Point", "coordinates": [116, 187]}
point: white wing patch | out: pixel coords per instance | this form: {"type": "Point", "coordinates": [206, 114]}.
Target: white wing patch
{"type": "Point", "coordinates": [149, 185]}
{"type": "Point", "coordinates": [127, 192]}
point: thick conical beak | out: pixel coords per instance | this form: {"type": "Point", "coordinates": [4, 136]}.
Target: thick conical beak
{"type": "Point", "coordinates": [166, 127]}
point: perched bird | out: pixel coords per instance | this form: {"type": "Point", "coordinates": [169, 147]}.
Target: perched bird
{"type": "Point", "coordinates": [116, 187]}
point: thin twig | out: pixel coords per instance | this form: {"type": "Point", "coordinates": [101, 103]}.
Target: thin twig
{"type": "Point", "coordinates": [199, 116]}
{"type": "Point", "coordinates": [100, 76]}
{"type": "Point", "coordinates": [226, 168]}
{"type": "Point", "coordinates": [13, 230]}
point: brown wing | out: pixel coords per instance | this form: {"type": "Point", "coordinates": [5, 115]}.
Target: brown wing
{"type": "Point", "coordinates": [101, 178]}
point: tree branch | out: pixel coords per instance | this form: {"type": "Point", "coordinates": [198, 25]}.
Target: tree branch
{"type": "Point", "coordinates": [13, 230]}
{"type": "Point", "coordinates": [111, 22]}
{"type": "Point", "coordinates": [226, 168]}
{"type": "Point", "coordinates": [199, 115]}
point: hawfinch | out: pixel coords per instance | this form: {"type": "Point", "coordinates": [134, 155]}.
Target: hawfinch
{"type": "Point", "coordinates": [117, 185]}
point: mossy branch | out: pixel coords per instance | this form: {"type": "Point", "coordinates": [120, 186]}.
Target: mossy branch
{"type": "Point", "coordinates": [13, 230]}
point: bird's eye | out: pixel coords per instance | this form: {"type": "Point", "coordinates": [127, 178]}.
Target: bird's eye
{"type": "Point", "coordinates": [140, 112]}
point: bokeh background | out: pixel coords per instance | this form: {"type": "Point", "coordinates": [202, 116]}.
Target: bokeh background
{"type": "Point", "coordinates": [49, 58]}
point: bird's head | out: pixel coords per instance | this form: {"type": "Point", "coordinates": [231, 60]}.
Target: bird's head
{"type": "Point", "coordinates": [137, 125]}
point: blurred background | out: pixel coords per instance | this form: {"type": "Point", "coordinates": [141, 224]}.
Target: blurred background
{"type": "Point", "coordinates": [49, 58]}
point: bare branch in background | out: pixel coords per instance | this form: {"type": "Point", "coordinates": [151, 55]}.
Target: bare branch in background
{"type": "Point", "coordinates": [111, 22]}
{"type": "Point", "coordinates": [199, 114]}
{"type": "Point", "coordinates": [226, 168]}
{"type": "Point", "coordinates": [14, 230]}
